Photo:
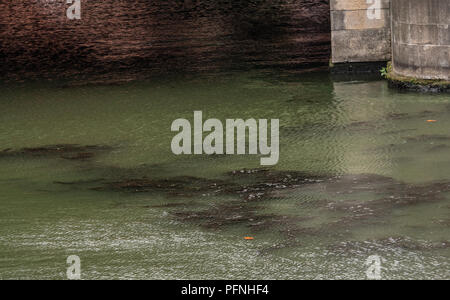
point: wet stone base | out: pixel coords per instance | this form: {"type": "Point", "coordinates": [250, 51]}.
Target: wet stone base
{"type": "Point", "coordinates": [416, 85]}
{"type": "Point", "coordinates": [358, 68]}
{"type": "Point", "coordinates": [426, 86]}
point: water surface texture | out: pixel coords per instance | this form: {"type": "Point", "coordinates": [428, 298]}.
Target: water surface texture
{"type": "Point", "coordinates": [88, 171]}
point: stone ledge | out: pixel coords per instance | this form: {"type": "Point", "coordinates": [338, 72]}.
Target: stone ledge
{"type": "Point", "coordinates": [416, 85]}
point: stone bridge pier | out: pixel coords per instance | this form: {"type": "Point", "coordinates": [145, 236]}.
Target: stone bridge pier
{"type": "Point", "coordinates": [414, 34]}
{"type": "Point", "coordinates": [421, 38]}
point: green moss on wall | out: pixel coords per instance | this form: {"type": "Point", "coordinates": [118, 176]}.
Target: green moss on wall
{"type": "Point", "coordinates": [415, 84]}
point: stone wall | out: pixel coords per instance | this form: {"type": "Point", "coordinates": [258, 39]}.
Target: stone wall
{"type": "Point", "coordinates": [355, 36]}
{"type": "Point", "coordinates": [137, 38]}
{"type": "Point", "coordinates": [421, 39]}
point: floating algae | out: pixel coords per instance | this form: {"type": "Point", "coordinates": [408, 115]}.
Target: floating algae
{"type": "Point", "coordinates": [65, 151]}
{"type": "Point", "coordinates": [245, 194]}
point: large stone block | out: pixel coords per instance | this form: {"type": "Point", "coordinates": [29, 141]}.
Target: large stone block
{"type": "Point", "coordinates": [358, 20]}
{"type": "Point", "coordinates": [361, 45]}
{"type": "Point", "coordinates": [356, 35]}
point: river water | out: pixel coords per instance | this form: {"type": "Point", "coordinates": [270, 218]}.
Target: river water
{"type": "Point", "coordinates": [362, 173]}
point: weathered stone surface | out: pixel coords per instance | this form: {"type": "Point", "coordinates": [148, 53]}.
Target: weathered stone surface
{"type": "Point", "coordinates": [358, 20]}
{"type": "Point", "coordinates": [361, 45]}
{"type": "Point", "coordinates": [355, 4]}
{"type": "Point", "coordinates": [355, 36]}
{"type": "Point", "coordinates": [421, 40]}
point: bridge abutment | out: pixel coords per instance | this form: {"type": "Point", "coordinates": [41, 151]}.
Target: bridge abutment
{"type": "Point", "coordinates": [421, 38]}
{"type": "Point", "coordinates": [414, 34]}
